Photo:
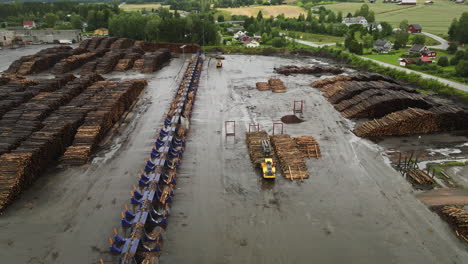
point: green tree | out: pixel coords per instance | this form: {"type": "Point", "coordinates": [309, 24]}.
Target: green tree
{"type": "Point", "coordinates": [387, 29]}
{"type": "Point", "coordinates": [278, 42]}
{"type": "Point", "coordinates": [462, 28]}
{"type": "Point", "coordinates": [443, 61]}
{"type": "Point", "coordinates": [339, 17]}
{"type": "Point", "coordinates": [259, 15]}
{"type": "Point", "coordinates": [462, 68]}
{"type": "Point", "coordinates": [76, 22]}
{"type": "Point", "coordinates": [331, 18]}
{"type": "Point", "coordinates": [452, 32]}
{"type": "Point", "coordinates": [368, 41]}
{"type": "Point", "coordinates": [220, 18]}
{"type": "Point", "coordinates": [401, 39]}
{"type": "Point", "coordinates": [50, 19]}
{"type": "Point", "coordinates": [404, 25]}
{"type": "Point", "coordinates": [419, 39]}
{"type": "Point", "coordinates": [309, 16]}
{"type": "Point", "coordinates": [152, 28]}
{"type": "Point", "coordinates": [355, 47]}
{"type": "Point", "coordinates": [452, 48]}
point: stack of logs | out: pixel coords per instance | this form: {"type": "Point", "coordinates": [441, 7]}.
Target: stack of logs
{"type": "Point", "coordinates": [128, 60]}
{"type": "Point", "coordinates": [291, 158]}
{"type": "Point", "coordinates": [154, 61]}
{"type": "Point", "coordinates": [74, 62]}
{"type": "Point", "coordinates": [291, 69]}
{"type": "Point", "coordinates": [254, 144]}
{"type": "Point", "coordinates": [274, 84]}
{"type": "Point", "coordinates": [401, 110]}
{"type": "Point", "coordinates": [107, 63]}
{"type": "Point", "coordinates": [308, 146]}
{"type": "Point", "coordinates": [457, 218]}
{"type": "Point", "coordinates": [420, 178]}
{"type": "Point", "coordinates": [118, 99]}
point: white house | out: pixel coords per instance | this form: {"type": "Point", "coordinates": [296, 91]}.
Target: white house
{"type": "Point", "coordinates": [240, 34]}
{"type": "Point", "coordinates": [348, 21]}
{"type": "Point", "coordinates": [252, 44]}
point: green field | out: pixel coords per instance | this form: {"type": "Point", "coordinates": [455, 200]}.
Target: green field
{"type": "Point", "coordinates": [434, 18]}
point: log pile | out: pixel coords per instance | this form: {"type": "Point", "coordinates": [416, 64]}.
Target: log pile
{"type": "Point", "coordinates": [356, 77]}
{"type": "Point", "coordinates": [358, 98]}
{"type": "Point", "coordinates": [457, 219]}
{"type": "Point", "coordinates": [262, 86]}
{"type": "Point", "coordinates": [308, 146]}
{"type": "Point", "coordinates": [404, 122]}
{"type": "Point", "coordinates": [88, 68]}
{"type": "Point", "coordinates": [378, 106]}
{"type": "Point", "coordinates": [107, 63]}
{"type": "Point", "coordinates": [41, 61]}
{"type": "Point", "coordinates": [420, 178]}
{"type": "Point", "coordinates": [18, 123]}
{"type": "Point", "coordinates": [118, 99]}
{"type": "Point", "coordinates": [291, 159]}
{"type": "Point", "coordinates": [450, 117]}
{"type": "Point", "coordinates": [19, 168]}
{"type": "Point", "coordinates": [74, 62]}
{"type": "Point", "coordinates": [122, 43]}
{"type": "Point", "coordinates": [84, 44]}
{"type": "Point", "coordinates": [254, 145]}
{"type": "Point", "coordinates": [106, 43]}
{"type": "Point", "coordinates": [138, 65]}
{"type": "Point", "coordinates": [291, 69]}
{"type": "Point", "coordinates": [154, 61]}
{"type": "Point", "coordinates": [128, 61]}
{"type": "Point", "coordinates": [277, 85]}
{"type": "Point", "coordinates": [94, 43]}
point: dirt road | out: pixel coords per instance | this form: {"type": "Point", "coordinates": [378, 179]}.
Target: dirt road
{"type": "Point", "coordinates": [354, 206]}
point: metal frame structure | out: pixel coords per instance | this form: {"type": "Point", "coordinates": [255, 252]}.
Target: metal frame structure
{"type": "Point", "coordinates": [233, 133]}
{"type": "Point", "coordinates": [278, 124]}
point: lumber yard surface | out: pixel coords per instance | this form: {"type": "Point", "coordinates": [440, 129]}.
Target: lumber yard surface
{"type": "Point", "coordinates": [354, 207]}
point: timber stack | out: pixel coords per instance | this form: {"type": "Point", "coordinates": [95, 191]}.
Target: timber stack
{"type": "Point", "coordinates": [277, 85]}
{"type": "Point", "coordinates": [291, 159]}
{"type": "Point", "coordinates": [308, 146]}
{"type": "Point", "coordinates": [420, 178]}
{"type": "Point", "coordinates": [291, 69]}
{"type": "Point", "coordinates": [254, 145]}
{"type": "Point", "coordinates": [457, 219]}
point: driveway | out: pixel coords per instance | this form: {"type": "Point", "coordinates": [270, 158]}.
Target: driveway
{"type": "Point", "coordinates": [443, 43]}
{"type": "Point", "coordinates": [312, 44]}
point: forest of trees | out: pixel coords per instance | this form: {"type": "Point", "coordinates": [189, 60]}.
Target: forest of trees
{"type": "Point", "coordinates": [165, 27]}
{"type": "Point", "coordinates": [69, 14]}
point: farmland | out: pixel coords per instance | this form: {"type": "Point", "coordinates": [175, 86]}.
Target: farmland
{"type": "Point", "coordinates": [267, 11]}
{"type": "Point", "coordinates": [433, 18]}
{"type": "Point", "coordinates": [147, 6]}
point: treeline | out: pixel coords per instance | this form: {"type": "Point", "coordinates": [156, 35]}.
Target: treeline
{"type": "Point", "coordinates": [63, 15]}
{"type": "Point", "coordinates": [165, 27]}
{"type": "Point", "coordinates": [458, 30]}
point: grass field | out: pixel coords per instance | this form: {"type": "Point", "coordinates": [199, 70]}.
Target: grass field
{"type": "Point", "coordinates": [434, 18]}
{"type": "Point", "coordinates": [147, 6]}
{"type": "Point", "coordinates": [267, 11]}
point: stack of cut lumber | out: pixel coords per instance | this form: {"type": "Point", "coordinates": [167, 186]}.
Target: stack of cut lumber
{"type": "Point", "coordinates": [404, 122]}
{"type": "Point", "coordinates": [458, 219]}
{"type": "Point", "coordinates": [262, 86]}
{"type": "Point", "coordinates": [291, 159]}
{"type": "Point", "coordinates": [254, 144]}
{"type": "Point", "coordinates": [277, 85]}
{"type": "Point", "coordinates": [308, 146]}
{"type": "Point", "coordinates": [290, 69]}
{"type": "Point", "coordinates": [14, 171]}
{"type": "Point", "coordinates": [419, 177]}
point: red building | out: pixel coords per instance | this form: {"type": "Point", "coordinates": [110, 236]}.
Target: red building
{"type": "Point", "coordinates": [415, 28]}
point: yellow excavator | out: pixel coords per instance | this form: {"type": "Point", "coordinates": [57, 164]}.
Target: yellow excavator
{"type": "Point", "coordinates": [219, 63]}
{"type": "Point", "coordinates": [268, 166]}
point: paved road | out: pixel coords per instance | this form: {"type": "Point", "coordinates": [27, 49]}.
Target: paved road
{"type": "Point", "coordinates": [312, 44]}
{"type": "Point", "coordinates": [443, 43]}
{"type": "Point", "coordinates": [456, 85]}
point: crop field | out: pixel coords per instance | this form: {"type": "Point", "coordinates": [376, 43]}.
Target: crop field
{"type": "Point", "coordinates": [287, 10]}
{"type": "Point", "coordinates": [147, 6]}
{"type": "Point", "coordinates": [434, 18]}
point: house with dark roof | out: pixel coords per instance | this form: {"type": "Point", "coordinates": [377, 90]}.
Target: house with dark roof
{"type": "Point", "coordinates": [382, 46]}
{"type": "Point", "coordinates": [422, 50]}
{"type": "Point", "coordinates": [415, 28]}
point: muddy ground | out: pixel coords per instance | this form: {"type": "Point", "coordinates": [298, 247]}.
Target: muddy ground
{"type": "Point", "coordinates": [354, 207]}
